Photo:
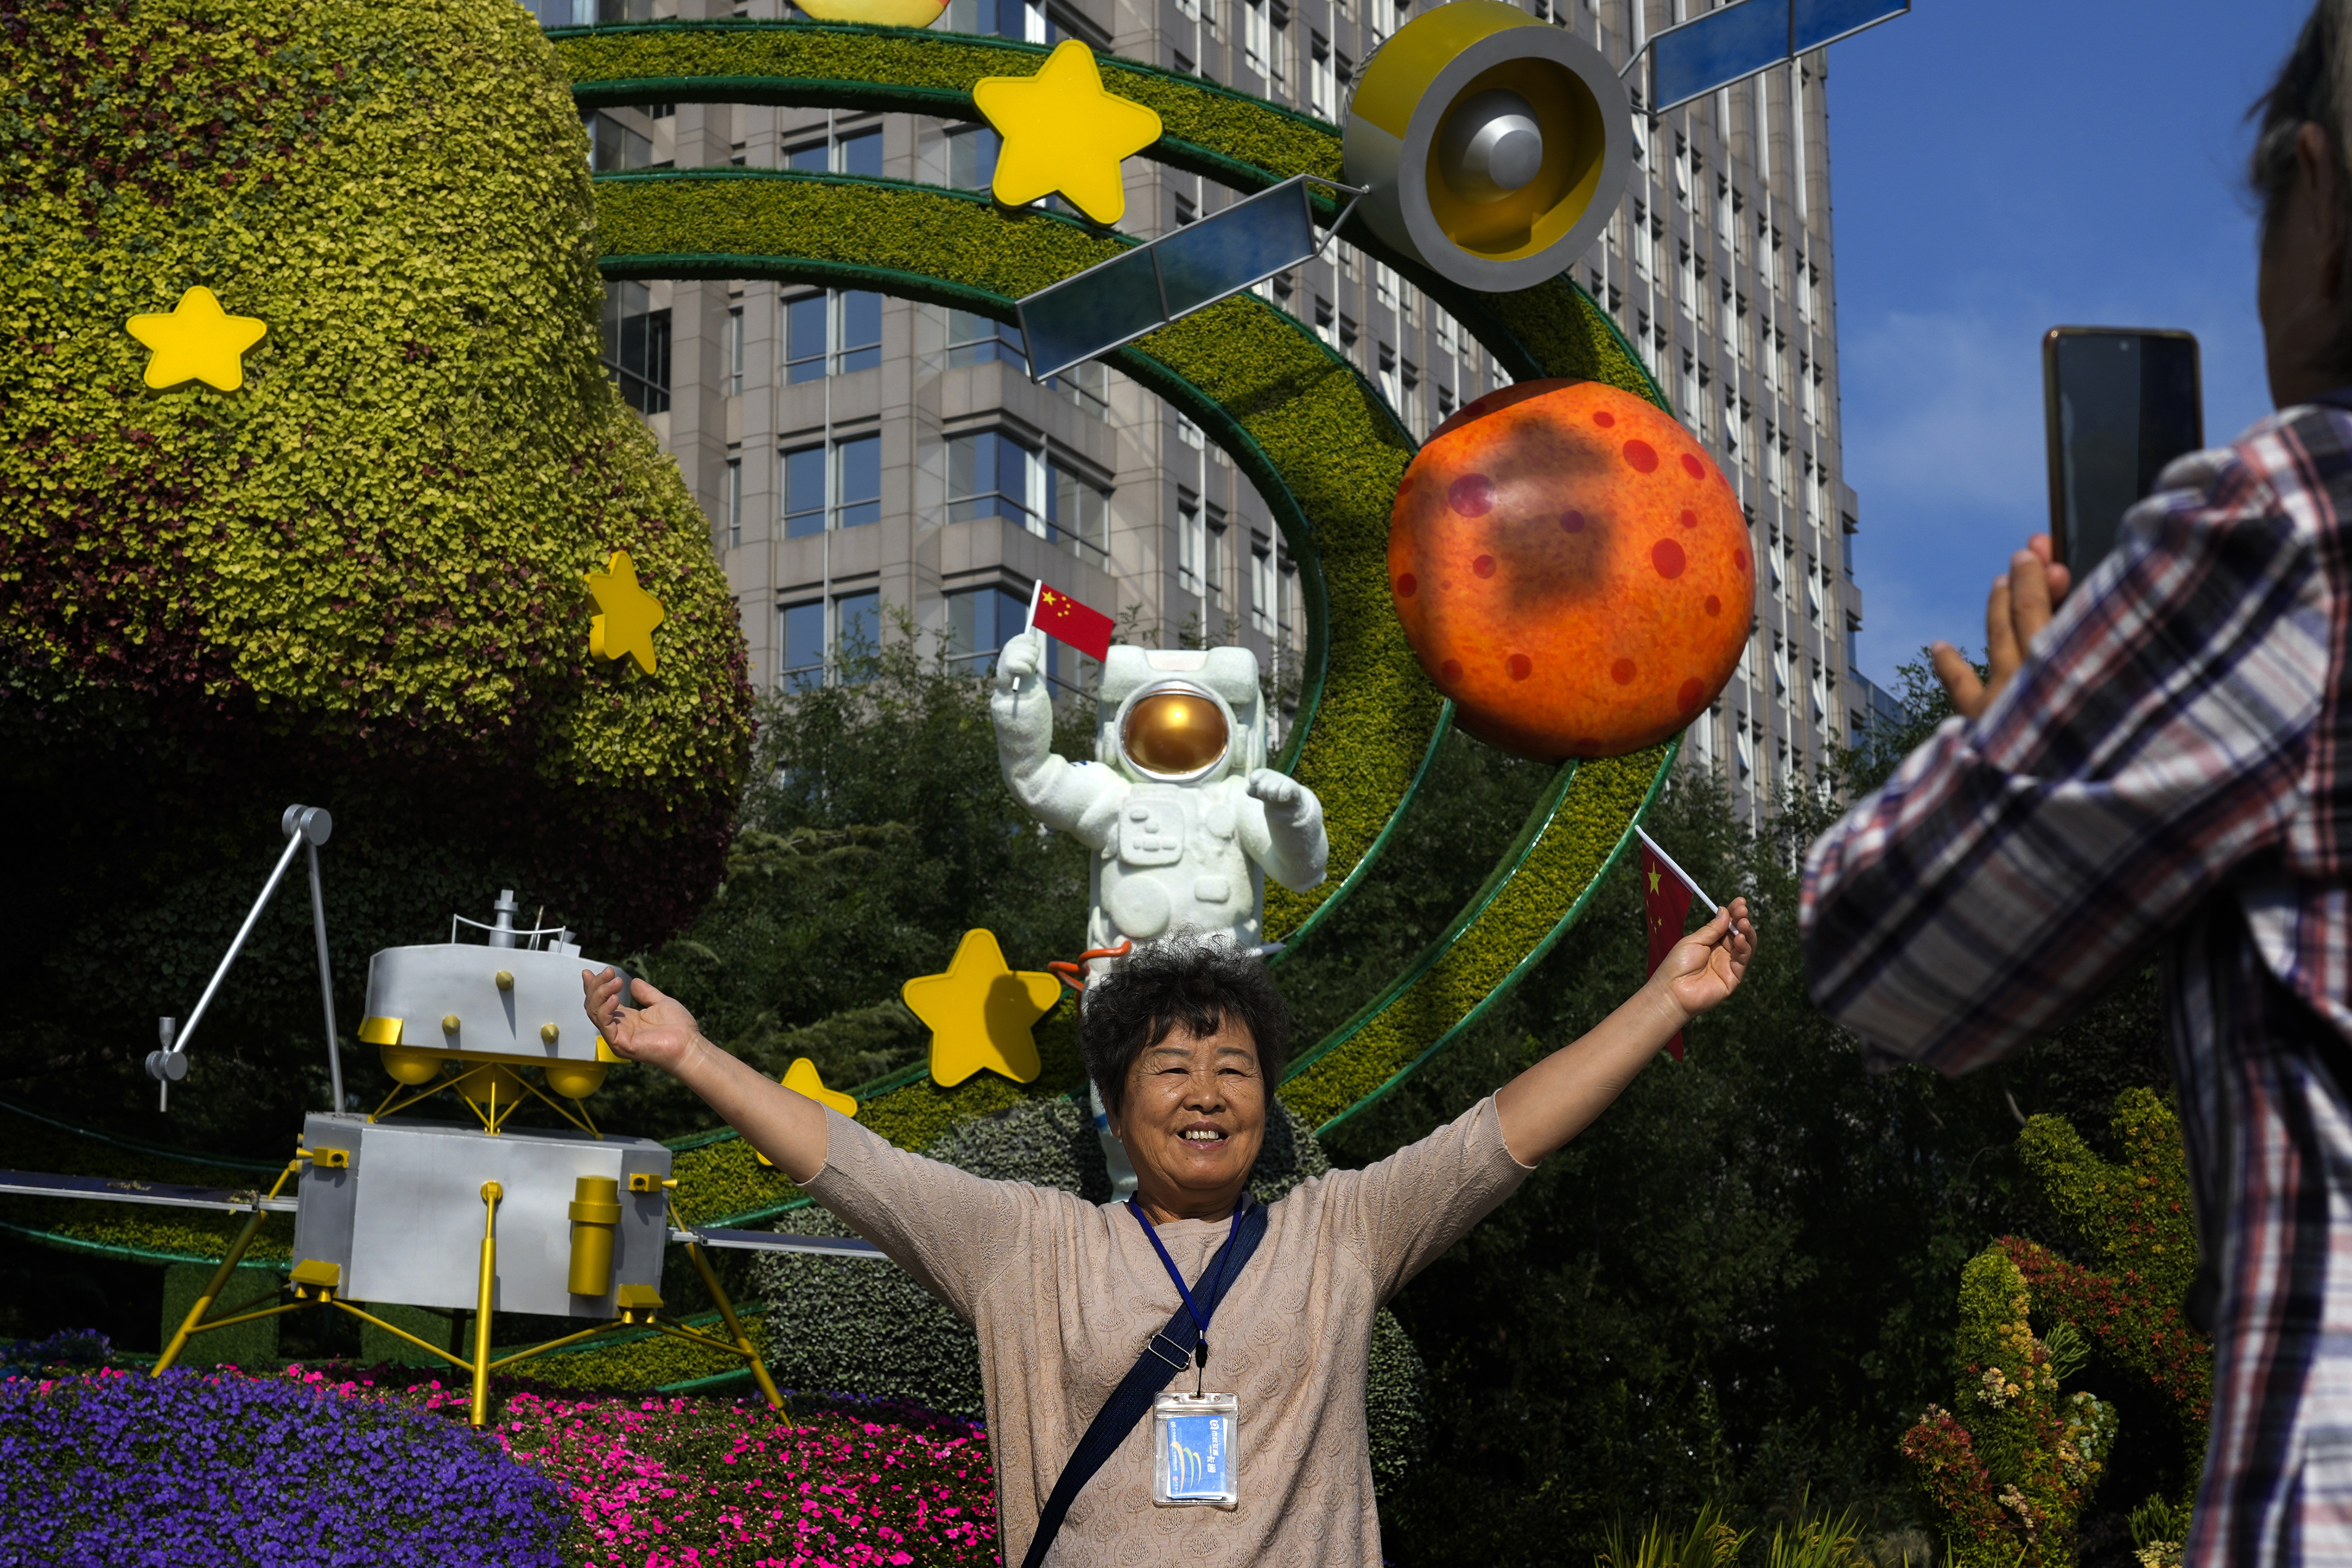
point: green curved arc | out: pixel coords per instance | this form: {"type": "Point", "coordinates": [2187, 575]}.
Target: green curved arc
{"type": "Point", "coordinates": [66, 1240]}
{"type": "Point", "coordinates": [1533, 956]}
{"type": "Point", "coordinates": [1363, 865]}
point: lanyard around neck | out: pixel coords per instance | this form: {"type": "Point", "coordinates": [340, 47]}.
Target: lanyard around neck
{"type": "Point", "coordinates": [1215, 1276]}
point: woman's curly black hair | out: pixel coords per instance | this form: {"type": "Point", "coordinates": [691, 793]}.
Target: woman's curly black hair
{"type": "Point", "coordinates": [1183, 982]}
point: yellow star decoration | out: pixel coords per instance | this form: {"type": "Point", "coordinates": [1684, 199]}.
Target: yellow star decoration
{"type": "Point", "coordinates": [197, 341]}
{"type": "Point", "coordinates": [801, 1076]}
{"type": "Point", "coordinates": [1656, 885]}
{"type": "Point", "coordinates": [981, 1014]}
{"type": "Point", "coordinates": [630, 616]}
{"type": "Point", "coordinates": [881, 13]}
{"type": "Point", "coordinates": [1062, 132]}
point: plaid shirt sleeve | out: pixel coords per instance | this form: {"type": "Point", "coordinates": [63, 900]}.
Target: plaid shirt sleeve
{"type": "Point", "coordinates": [2159, 735]}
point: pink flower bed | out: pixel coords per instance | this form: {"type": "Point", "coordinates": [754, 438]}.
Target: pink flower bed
{"type": "Point", "coordinates": [681, 1482]}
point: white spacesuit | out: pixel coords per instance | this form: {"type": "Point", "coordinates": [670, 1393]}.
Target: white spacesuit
{"type": "Point", "coordinates": [1185, 819]}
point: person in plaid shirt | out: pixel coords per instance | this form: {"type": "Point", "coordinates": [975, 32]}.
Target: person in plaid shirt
{"type": "Point", "coordinates": [2162, 763]}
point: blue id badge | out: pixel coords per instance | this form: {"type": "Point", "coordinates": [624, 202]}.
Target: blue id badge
{"type": "Point", "coordinates": [1192, 1457]}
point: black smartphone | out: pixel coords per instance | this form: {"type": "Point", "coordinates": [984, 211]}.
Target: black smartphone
{"type": "Point", "coordinates": [2120, 404]}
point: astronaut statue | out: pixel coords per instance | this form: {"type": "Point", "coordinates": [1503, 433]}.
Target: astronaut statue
{"type": "Point", "coordinates": [1185, 819]}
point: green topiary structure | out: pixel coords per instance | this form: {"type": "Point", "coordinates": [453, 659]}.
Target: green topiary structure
{"type": "Point", "coordinates": [2010, 1464]}
{"type": "Point", "coordinates": [357, 581]}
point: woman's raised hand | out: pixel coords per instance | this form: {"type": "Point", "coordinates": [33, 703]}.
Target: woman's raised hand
{"type": "Point", "coordinates": [658, 1032]}
{"type": "Point", "coordinates": [1706, 966]}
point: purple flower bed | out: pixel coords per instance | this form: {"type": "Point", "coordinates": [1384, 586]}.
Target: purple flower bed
{"type": "Point", "coordinates": [118, 1469]}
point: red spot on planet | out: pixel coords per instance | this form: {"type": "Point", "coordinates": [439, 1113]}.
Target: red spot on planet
{"type": "Point", "coordinates": [1642, 457]}
{"type": "Point", "coordinates": [1520, 666]}
{"type": "Point", "coordinates": [1451, 671]}
{"type": "Point", "coordinates": [1692, 694]}
{"type": "Point", "coordinates": [1714, 605]}
{"type": "Point", "coordinates": [1621, 672]}
{"type": "Point", "coordinates": [1667, 557]}
{"type": "Point", "coordinates": [1740, 559]}
{"type": "Point", "coordinates": [1572, 521]}
{"type": "Point", "coordinates": [1604, 418]}
{"type": "Point", "coordinates": [1472, 495]}
{"type": "Point", "coordinates": [1693, 466]}
{"type": "Point", "coordinates": [1406, 586]}
{"type": "Point", "coordinates": [1689, 519]}
{"type": "Point", "coordinates": [1484, 566]}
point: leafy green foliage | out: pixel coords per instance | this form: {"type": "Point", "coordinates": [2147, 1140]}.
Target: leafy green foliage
{"type": "Point", "coordinates": [355, 583]}
{"type": "Point", "coordinates": [2037, 1455]}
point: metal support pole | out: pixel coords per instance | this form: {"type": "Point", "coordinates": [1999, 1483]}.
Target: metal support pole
{"type": "Point", "coordinates": [491, 1193]}
{"type": "Point", "coordinates": [326, 977]}
{"type": "Point", "coordinates": [734, 1329]}
{"type": "Point", "coordinates": [301, 824]}
{"type": "Point", "coordinates": [195, 1317]}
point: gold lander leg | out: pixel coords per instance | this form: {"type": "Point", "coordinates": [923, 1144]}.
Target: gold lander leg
{"type": "Point", "coordinates": [193, 1323]}
{"type": "Point", "coordinates": [491, 1193]}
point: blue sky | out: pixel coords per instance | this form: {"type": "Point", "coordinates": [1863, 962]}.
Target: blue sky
{"type": "Point", "coordinates": [1999, 167]}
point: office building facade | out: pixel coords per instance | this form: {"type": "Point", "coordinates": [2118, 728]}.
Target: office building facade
{"type": "Point", "coordinates": [865, 459]}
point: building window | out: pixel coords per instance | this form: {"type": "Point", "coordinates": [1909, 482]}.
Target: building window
{"type": "Point", "coordinates": [614, 148]}
{"type": "Point", "coordinates": [809, 158]}
{"type": "Point", "coordinates": [1212, 565]}
{"type": "Point", "coordinates": [804, 643]}
{"type": "Point", "coordinates": [1262, 589]}
{"type": "Point", "coordinates": [833, 333]}
{"type": "Point", "coordinates": [731, 502]}
{"type": "Point", "coordinates": [845, 491]}
{"type": "Point", "coordinates": [1347, 339]}
{"type": "Point", "coordinates": [734, 351]}
{"type": "Point", "coordinates": [972, 157]}
{"type": "Point", "coordinates": [1191, 543]}
{"type": "Point", "coordinates": [1263, 37]}
{"type": "Point", "coordinates": [974, 339]}
{"type": "Point", "coordinates": [1079, 520]}
{"type": "Point", "coordinates": [857, 481]}
{"type": "Point", "coordinates": [1391, 388]}
{"type": "Point", "coordinates": [980, 621]}
{"type": "Point", "coordinates": [991, 475]}
{"type": "Point", "coordinates": [803, 493]}
{"type": "Point", "coordinates": [1190, 433]}
{"type": "Point", "coordinates": [1322, 81]}
{"type": "Point", "coordinates": [856, 627]}
{"type": "Point", "coordinates": [1023, 21]}
{"type": "Point", "coordinates": [860, 152]}
{"type": "Point", "coordinates": [636, 347]}
{"type": "Point", "coordinates": [1384, 285]}
{"type": "Point", "coordinates": [1412, 407]}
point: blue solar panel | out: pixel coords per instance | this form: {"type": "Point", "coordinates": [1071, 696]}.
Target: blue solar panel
{"type": "Point", "coordinates": [1818, 22]}
{"type": "Point", "coordinates": [1122, 299]}
{"type": "Point", "coordinates": [1717, 49]}
{"type": "Point", "coordinates": [1228, 251]}
{"type": "Point", "coordinates": [1725, 46]}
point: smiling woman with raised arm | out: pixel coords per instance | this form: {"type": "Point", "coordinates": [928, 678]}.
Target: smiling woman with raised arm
{"type": "Point", "coordinates": [1087, 1313]}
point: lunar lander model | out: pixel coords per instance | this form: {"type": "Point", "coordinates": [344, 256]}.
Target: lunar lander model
{"type": "Point", "coordinates": [466, 1215]}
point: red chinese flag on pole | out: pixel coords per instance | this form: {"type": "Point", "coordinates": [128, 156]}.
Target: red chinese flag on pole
{"type": "Point", "coordinates": [1665, 903]}
{"type": "Point", "coordinates": [1064, 618]}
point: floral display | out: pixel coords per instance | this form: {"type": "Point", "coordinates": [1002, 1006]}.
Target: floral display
{"type": "Point", "coordinates": [689, 1483]}
{"type": "Point", "coordinates": [113, 1467]}
{"type": "Point", "coordinates": [118, 1469]}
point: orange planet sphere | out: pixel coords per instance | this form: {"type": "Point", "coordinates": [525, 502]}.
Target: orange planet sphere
{"type": "Point", "coordinates": [1571, 568]}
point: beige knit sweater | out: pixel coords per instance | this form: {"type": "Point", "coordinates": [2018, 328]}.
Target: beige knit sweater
{"type": "Point", "coordinates": [1064, 1293]}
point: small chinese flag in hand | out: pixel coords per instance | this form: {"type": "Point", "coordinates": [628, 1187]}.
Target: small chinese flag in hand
{"type": "Point", "coordinates": [1665, 903]}
{"type": "Point", "coordinates": [1058, 615]}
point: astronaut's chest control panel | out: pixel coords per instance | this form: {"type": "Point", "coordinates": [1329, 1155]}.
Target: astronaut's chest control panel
{"type": "Point", "coordinates": [1177, 859]}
